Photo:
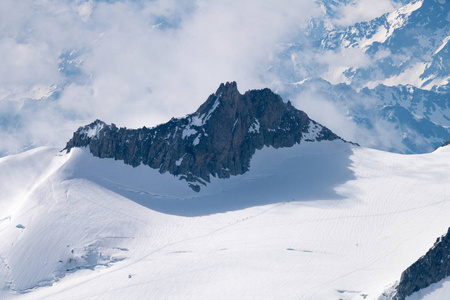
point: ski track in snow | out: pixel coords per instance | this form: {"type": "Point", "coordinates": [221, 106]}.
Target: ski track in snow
{"type": "Point", "coordinates": [336, 221]}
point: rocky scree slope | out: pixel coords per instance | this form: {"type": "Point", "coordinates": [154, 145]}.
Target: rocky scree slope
{"type": "Point", "coordinates": [219, 139]}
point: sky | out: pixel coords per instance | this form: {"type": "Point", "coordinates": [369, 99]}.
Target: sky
{"type": "Point", "coordinates": [135, 63]}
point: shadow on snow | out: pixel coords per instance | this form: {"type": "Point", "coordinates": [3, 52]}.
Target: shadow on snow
{"type": "Point", "coordinates": [306, 172]}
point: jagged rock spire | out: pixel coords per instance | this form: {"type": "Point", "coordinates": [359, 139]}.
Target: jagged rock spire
{"type": "Point", "coordinates": [219, 139]}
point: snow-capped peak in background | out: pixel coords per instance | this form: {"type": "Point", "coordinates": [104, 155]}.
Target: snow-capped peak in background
{"type": "Point", "coordinates": [383, 83]}
{"type": "Point", "coordinates": [400, 47]}
{"type": "Point", "coordinates": [247, 195]}
{"type": "Point", "coordinates": [90, 78]}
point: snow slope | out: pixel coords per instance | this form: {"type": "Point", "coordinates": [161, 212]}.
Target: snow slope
{"type": "Point", "coordinates": [321, 220]}
{"type": "Point", "coordinates": [438, 290]}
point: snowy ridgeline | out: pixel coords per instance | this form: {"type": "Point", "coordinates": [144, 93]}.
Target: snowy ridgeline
{"type": "Point", "coordinates": [343, 221]}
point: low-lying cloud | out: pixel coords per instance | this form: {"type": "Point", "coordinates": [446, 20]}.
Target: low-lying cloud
{"type": "Point", "coordinates": [364, 10]}
{"type": "Point", "coordinates": [134, 63]}
{"type": "Point", "coordinates": [336, 116]}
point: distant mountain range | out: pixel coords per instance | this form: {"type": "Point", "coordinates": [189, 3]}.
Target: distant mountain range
{"type": "Point", "coordinates": [393, 70]}
{"type": "Point", "coordinates": [407, 46]}
{"type": "Point", "coordinates": [403, 53]}
{"type": "Point", "coordinates": [409, 119]}
{"type": "Point", "coordinates": [248, 197]}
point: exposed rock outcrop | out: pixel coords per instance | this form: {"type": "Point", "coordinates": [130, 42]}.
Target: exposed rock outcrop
{"type": "Point", "coordinates": [219, 139]}
{"type": "Point", "coordinates": [443, 145]}
{"type": "Point", "coordinates": [430, 268]}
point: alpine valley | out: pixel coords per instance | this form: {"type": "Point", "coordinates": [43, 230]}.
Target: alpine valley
{"type": "Point", "coordinates": [257, 194]}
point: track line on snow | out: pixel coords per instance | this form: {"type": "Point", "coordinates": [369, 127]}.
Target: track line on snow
{"type": "Point", "coordinates": [320, 286]}
{"type": "Point", "coordinates": [150, 281]}
{"type": "Point", "coordinates": [113, 210]}
{"type": "Point", "coordinates": [46, 174]}
{"type": "Point", "coordinates": [111, 270]}
{"type": "Point", "coordinates": [373, 215]}
{"type": "Point", "coordinates": [275, 206]}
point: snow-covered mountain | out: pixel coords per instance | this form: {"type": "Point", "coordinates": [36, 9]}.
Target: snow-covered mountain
{"type": "Point", "coordinates": [248, 197]}
{"type": "Point", "coordinates": [394, 118]}
{"type": "Point", "coordinates": [332, 13]}
{"type": "Point", "coordinates": [319, 219]}
{"type": "Point", "coordinates": [407, 46]}
{"type": "Point", "coordinates": [389, 74]}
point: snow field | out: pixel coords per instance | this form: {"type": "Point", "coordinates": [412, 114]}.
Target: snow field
{"type": "Point", "coordinates": [316, 221]}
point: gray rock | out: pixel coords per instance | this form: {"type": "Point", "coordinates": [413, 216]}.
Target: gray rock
{"type": "Point", "coordinates": [218, 140]}
{"type": "Point", "coordinates": [430, 268]}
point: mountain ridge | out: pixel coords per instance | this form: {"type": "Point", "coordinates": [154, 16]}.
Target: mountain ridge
{"type": "Point", "coordinates": [418, 118]}
{"type": "Point", "coordinates": [327, 203]}
{"type": "Point", "coordinates": [219, 139]}
{"type": "Point", "coordinates": [406, 46]}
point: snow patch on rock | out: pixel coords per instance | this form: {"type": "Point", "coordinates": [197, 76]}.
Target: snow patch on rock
{"type": "Point", "coordinates": [254, 128]}
{"type": "Point", "coordinates": [314, 130]}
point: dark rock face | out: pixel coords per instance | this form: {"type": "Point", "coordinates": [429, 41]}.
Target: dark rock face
{"type": "Point", "coordinates": [443, 145]}
{"type": "Point", "coordinates": [430, 268]}
{"type": "Point", "coordinates": [219, 139]}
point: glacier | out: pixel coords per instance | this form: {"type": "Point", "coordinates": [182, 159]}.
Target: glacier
{"type": "Point", "coordinates": [318, 220]}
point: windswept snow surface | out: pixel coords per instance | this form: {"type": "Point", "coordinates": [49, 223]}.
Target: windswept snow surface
{"type": "Point", "coordinates": [324, 220]}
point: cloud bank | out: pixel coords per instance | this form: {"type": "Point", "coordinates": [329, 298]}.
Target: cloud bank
{"type": "Point", "coordinates": [133, 63]}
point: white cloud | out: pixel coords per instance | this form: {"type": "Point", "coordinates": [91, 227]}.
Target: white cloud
{"type": "Point", "coordinates": [327, 113]}
{"type": "Point", "coordinates": [338, 62]}
{"type": "Point", "coordinates": [364, 10]}
{"type": "Point", "coordinates": [346, 57]}
{"type": "Point", "coordinates": [138, 62]}
{"type": "Point", "coordinates": [335, 115]}
{"type": "Point", "coordinates": [26, 64]}
{"type": "Point", "coordinates": [220, 41]}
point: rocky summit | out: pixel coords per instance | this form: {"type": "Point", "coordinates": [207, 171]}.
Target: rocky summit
{"type": "Point", "coordinates": [218, 140]}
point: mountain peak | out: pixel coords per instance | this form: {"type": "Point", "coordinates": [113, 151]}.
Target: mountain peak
{"type": "Point", "coordinates": [219, 139]}
{"type": "Point", "coordinates": [227, 87]}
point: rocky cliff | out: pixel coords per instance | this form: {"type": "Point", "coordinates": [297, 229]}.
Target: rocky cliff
{"type": "Point", "coordinates": [219, 139]}
{"type": "Point", "coordinates": [430, 268]}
